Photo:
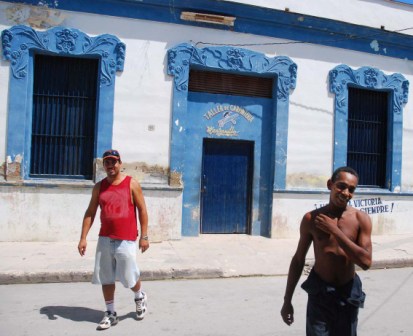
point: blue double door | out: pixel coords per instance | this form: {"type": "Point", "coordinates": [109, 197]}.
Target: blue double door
{"type": "Point", "coordinates": [226, 186]}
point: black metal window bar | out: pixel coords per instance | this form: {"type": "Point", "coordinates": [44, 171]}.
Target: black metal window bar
{"type": "Point", "coordinates": [367, 135]}
{"type": "Point", "coordinates": [64, 113]}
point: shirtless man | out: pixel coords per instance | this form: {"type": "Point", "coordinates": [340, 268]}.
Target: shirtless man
{"type": "Point", "coordinates": [341, 237]}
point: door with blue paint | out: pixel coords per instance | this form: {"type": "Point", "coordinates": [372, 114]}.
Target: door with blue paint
{"type": "Point", "coordinates": [226, 186]}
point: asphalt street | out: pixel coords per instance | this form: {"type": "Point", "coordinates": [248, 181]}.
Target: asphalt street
{"type": "Point", "coordinates": [219, 307]}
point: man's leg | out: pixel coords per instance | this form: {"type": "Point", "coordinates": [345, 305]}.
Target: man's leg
{"type": "Point", "coordinates": [346, 322]}
{"type": "Point", "coordinates": [110, 318]}
{"type": "Point", "coordinates": [108, 292]}
{"type": "Point", "coordinates": [319, 315]}
{"type": "Point", "coordinates": [127, 272]}
{"type": "Point", "coordinates": [140, 300]}
{"type": "Point", "coordinates": [137, 287]}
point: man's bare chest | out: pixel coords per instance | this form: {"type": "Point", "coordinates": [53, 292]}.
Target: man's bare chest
{"type": "Point", "coordinates": [348, 225]}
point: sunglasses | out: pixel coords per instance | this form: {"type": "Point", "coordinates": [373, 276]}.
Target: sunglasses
{"type": "Point", "coordinates": [111, 153]}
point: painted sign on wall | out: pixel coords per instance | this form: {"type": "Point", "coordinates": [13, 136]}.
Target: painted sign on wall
{"type": "Point", "coordinates": [371, 206]}
{"type": "Point", "coordinates": [228, 117]}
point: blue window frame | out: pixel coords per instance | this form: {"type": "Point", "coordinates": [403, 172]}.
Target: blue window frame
{"type": "Point", "coordinates": [343, 80]}
{"type": "Point", "coordinates": [20, 45]}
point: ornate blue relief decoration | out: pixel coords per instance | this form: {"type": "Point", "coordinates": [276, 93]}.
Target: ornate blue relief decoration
{"type": "Point", "coordinates": [20, 44]}
{"type": "Point", "coordinates": [341, 77]}
{"type": "Point", "coordinates": [19, 41]}
{"type": "Point", "coordinates": [229, 59]}
{"type": "Point", "coordinates": [370, 78]}
{"type": "Point", "coordinates": [187, 139]}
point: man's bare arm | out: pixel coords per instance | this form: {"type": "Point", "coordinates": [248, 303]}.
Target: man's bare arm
{"type": "Point", "coordinates": [296, 269]}
{"type": "Point", "coordinates": [139, 202]}
{"type": "Point", "coordinates": [360, 251]}
{"type": "Point", "coordinates": [88, 218]}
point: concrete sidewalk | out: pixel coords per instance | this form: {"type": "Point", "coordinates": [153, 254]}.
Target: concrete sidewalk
{"type": "Point", "coordinates": [206, 256]}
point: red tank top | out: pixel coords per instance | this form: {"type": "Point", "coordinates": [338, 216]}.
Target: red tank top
{"type": "Point", "coordinates": [117, 211]}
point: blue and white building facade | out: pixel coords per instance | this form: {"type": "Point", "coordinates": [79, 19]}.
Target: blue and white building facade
{"type": "Point", "coordinates": [231, 114]}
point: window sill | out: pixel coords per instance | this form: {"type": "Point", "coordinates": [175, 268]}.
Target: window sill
{"type": "Point", "coordinates": [359, 191]}
{"type": "Point", "coordinates": [77, 184]}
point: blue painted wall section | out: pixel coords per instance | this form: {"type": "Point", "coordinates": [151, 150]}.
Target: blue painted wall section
{"type": "Point", "coordinates": [20, 44]}
{"type": "Point", "coordinates": [341, 78]}
{"type": "Point", "coordinates": [185, 148]}
{"type": "Point", "coordinates": [251, 20]}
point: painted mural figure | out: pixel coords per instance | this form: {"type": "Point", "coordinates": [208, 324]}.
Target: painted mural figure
{"type": "Point", "coordinates": [228, 118]}
{"type": "Point", "coordinates": [341, 237]}
{"type": "Point", "coordinates": [118, 197]}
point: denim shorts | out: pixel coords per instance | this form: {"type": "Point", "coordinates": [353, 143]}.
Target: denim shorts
{"type": "Point", "coordinates": [115, 261]}
{"type": "Point", "coordinates": [332, 310]}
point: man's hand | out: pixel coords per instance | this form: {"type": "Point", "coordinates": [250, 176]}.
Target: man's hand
{"type": "Point", "coordinates": [325, 223]}
{"type": "Point", "coordinates": [143, 244]}
{"type": "Point", "coordinates": [82, 247]}
{"type": "Point", "coordinates": [287, 313]}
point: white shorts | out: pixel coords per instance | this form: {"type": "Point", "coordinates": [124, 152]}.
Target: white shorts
{"type": "Point", "coordinates": [115, 260]}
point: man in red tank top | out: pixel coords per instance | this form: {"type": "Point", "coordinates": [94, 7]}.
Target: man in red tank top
{"type": "Point", "coordinates": [118, 197]}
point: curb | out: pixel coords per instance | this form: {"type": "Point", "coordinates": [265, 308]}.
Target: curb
{"type": "Point", "coordinates": [18, 278]}
{"type": "Point", "coordinates": [43, 277]}
{"type": "Point", "coordinates": [392, 263]}
{"type": "Point", "coordinates": [15, 278]}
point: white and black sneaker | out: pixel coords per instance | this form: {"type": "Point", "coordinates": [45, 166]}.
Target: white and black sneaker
{"type": "Point", "coordinates": [110, 319]}
{"type": "Point", "coordinates": [141, 306]}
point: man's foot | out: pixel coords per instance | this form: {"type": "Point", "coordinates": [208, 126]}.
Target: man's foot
{"type": "Point", "coordinates": [110, 319]}
{"type": "Point", "coordinates": [141, 306]}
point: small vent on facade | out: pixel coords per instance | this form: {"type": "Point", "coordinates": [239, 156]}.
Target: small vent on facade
{"type": "Point", "coordinates": [230, 84]}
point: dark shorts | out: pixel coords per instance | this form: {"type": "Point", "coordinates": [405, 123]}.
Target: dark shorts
{"type": "Point", "coordinates": [332, 311]}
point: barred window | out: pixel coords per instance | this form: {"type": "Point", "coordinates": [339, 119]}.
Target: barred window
{"type": "Point", "coordinates": [367, 135]}
{"type": "Point", "coordinates": [64, 113]}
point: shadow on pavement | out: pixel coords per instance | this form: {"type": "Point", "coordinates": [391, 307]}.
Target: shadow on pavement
{"type": "Point", "coordinates": [78, 314]}
{"type": "Point", "coordinates": [129, 315]}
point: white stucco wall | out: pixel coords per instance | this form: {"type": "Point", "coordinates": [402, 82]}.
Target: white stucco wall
{"type": "Point", "coordinates": [143, 91]}
{"type": "Point", "coordinates": [142, 112]}
{"type": "Point", "coordinates": [390, 214]}
{"type": "Point", "coordinates": [56, 213]}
